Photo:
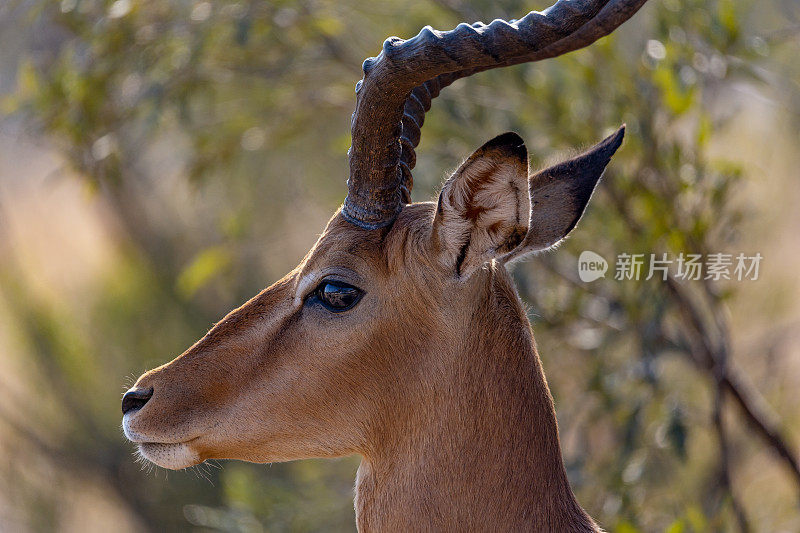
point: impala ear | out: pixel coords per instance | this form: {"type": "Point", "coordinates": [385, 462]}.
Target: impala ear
{"type": "Point", "coordinates": [484, 207]}
{"type": "Point", "coordinates": [559, 195]}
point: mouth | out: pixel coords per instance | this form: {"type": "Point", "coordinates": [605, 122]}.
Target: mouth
{"type": "Point", "coordinates": [174, 456]}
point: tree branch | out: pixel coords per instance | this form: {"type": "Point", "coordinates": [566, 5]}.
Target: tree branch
{"type": "Point", "coordinates": [725, 462]}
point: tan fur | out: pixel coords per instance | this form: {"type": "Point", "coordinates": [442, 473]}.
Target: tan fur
{"type": "Point", "coordinates": [433, 378]}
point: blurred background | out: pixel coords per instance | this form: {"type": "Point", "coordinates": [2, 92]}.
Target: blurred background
{"type": "Point", "coordinates": [163, 161]}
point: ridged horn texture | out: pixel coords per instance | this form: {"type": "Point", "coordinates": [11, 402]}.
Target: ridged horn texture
{"type": "Point", "coordinates": [399, 84]}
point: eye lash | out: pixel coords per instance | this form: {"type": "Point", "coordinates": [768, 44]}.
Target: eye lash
{"type": "Point", "coordinates": [333, 281]}
{"type": "Point", "coordinates": [329, 281]}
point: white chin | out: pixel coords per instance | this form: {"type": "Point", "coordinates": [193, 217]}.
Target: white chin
{"type": "Point", "coordinates": [172, 456]}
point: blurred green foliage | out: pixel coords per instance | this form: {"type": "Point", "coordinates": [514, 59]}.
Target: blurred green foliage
{"type": "Point", "coordinates": [217, 134]}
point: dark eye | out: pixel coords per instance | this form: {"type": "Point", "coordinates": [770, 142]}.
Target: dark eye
{"type": "Point", "coordinates": [336, 296]}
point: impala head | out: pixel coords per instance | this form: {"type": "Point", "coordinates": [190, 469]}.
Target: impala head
{"type": "Point", "coordinates": [326, 360]}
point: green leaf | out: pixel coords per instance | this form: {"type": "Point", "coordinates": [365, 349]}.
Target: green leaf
{"type": "Point", "coordinates": [206, 266]}
{"type": "Point", "coordinates": [678, 526]}
{"type": "Point", "coordinates": [626, 527]}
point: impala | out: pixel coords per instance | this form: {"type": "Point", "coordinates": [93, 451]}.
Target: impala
{"type": "Point", "coordinates": [400, 336]}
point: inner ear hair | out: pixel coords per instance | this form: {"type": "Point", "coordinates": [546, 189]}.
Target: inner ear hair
{"type": "Point", "coordinates": [484, 207]}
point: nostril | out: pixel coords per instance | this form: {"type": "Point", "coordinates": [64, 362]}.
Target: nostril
{"type": "Point", "coordinates": [135, 399]}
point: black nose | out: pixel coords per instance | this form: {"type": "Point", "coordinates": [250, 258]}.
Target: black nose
{"type": "Point", "coordinates": [135, 399]}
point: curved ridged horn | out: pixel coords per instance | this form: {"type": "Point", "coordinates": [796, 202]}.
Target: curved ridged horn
{"type": "Point", "coordinates": [400, 83]}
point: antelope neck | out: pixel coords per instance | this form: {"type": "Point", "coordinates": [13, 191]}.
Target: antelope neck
{"type": "Point", "coordinates": [481, 451]}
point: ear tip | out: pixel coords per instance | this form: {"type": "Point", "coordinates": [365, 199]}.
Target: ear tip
{"type": "Point", "coordinates": [615, 139]}
{"type": "Point", "coordinates": [509, 137]}
{"type": "Point", "coordinates": [606, 148]}
{"type": "Point", "coordinates": [510, 142]}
